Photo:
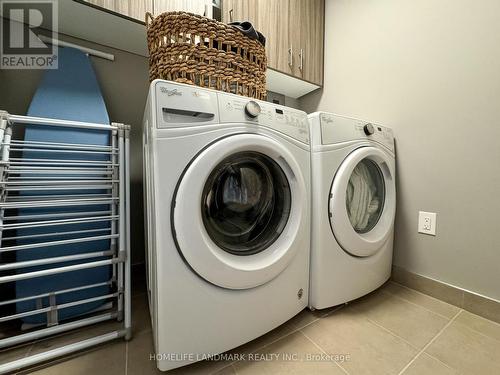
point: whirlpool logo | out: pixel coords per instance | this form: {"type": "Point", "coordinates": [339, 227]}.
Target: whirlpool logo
{"type": "Point", "coordinates": [20, 46]}
{"type": "Point", "coordinates": [170, 92]}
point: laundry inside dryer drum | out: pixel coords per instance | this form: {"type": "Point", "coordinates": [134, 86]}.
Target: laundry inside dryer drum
{"type": "Point", "coordinates": [246, 203]}
{"type": "Point", "coordinates": [365, 196]}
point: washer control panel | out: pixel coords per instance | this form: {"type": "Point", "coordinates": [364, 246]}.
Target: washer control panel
{"type": "Point", "coordinates": [182, 106]}
{"type": "Point", "coordinates": [291, 122]}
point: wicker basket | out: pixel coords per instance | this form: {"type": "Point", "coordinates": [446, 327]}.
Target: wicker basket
{"type": "Point", "coordinates": [188, 48]}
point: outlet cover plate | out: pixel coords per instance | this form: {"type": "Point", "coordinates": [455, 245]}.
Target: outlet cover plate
{"type": "Point", "coordinates": [427, 222]}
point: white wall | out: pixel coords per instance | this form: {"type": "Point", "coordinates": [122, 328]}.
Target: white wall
{"type": "Point", "coordinates": [431, 70]}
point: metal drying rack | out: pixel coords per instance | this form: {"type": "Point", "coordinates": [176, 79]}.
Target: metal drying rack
{"type": "Point", "coordinates": [37, 177]}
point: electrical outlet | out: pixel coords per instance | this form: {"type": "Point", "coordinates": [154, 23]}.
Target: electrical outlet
{"type": "Point", "coordinates": [427, 223]}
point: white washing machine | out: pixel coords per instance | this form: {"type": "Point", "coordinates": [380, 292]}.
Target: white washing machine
{"type": "Point", "coordinates": [353, 208]}
{"type": "Point", "coordinates": [228, 207]}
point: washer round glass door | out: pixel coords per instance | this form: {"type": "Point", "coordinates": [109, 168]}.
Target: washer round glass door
{"type": "Point", "coordinates": [237, 210]}
{"type": "Point", "coordinates": [246, 203]}
{"type": "Point", "coordinates": [363, 201]}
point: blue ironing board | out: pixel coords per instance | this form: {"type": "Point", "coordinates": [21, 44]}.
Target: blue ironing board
{"type": "Point", "coordinates": [70, 93]}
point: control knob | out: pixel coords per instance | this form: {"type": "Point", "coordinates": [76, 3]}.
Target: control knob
{"type": "Point", "coordinates": [252, 109]}
{"type": "Point", "coordinates": [368, 128]}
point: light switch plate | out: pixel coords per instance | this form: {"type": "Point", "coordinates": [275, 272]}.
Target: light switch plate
{"type": "Point", "coordinates": [427, 222]}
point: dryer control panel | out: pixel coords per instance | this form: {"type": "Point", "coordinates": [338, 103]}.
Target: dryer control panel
{"type": "Point", "coordinates": [338, 129]}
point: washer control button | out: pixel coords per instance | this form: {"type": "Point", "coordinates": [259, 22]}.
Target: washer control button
{"type": "Point", "coordinates": [252, 109]}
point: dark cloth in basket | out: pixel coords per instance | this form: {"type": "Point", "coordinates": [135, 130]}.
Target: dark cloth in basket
{"type": "Point", "coordinates": [248, 29]}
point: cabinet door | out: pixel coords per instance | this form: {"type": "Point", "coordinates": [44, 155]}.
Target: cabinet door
{"type": "Point", "coordinates": [132, 8]}
{"type": "Point", "coordinates": [235, 10]}
{"type": "Point", "coordinates": [295, 31]}
{"type": "Point", "coordinates": [201, 7]}
{"type": "Point", "coordinates": [106, 4]}
{"type": "Point", "coordinates": [270, 17]}
{"type": "Point", "coordinates": [310, 60]}
{"type": "Point", "coordinates": [274, 20]}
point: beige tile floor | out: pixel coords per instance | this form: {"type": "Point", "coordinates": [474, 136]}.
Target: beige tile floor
{"type": "Point", "coordinates": [394, 330]}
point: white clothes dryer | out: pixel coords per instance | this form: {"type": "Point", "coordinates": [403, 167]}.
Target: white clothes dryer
{"type": "Point", "coordinates": [353, 208]}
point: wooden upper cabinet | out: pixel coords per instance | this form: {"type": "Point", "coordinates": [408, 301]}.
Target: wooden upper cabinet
{"type": "Point", "coordinates": [138, 8]}
{"type": "Point", "coordinates": [106, 4]}
{"type": "Point", "coordinates": [294, 28]}
{"type": "Point", "coordinates": [306, 27]}
{"type": "Point", "coordinates": [294, 31]}
{"type": "Point", "coordinates": [201, 7]}
{"type": "Point", "coordinates": [132, 8]}
{"type": "Point", "coordinates": [312, 15]}
{"type": "Point", "coordinates": [236, 10]}
{"type": "Point", "coordinates": [279, 39]}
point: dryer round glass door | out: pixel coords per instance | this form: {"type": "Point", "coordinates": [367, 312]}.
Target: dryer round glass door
{"type": "Point", "coordinates": [365, 196]}
{"type": "Point", "coordinates": [363, 201]}
{"type": "Point", "coordinates": [237, 210]}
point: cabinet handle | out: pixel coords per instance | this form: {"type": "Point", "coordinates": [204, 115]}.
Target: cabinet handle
{"type": "Point", "coordinates": [230, 15]}
{"type": "Point", "coordinates": [301, 55]}
{"type": "Point", "coordinates": [290, 56]}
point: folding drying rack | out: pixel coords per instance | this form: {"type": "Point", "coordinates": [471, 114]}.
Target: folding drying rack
{"type": "Point", "coordinates": [35, 179]}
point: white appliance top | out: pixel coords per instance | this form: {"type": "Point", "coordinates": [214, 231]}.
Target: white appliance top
{"type": "Point", "coordinates": [335, 129]}
{"type": "Point", "coordinates": [180, 105]}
